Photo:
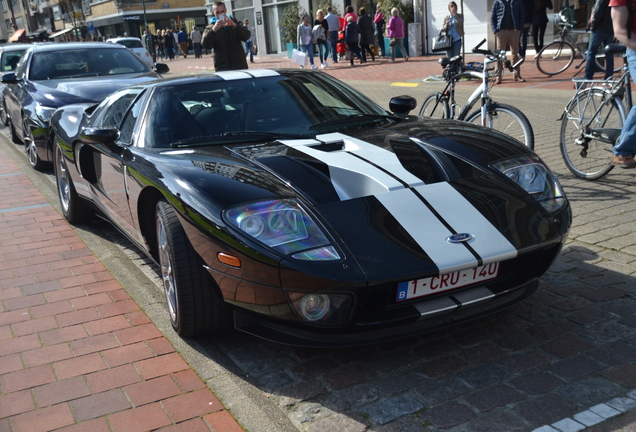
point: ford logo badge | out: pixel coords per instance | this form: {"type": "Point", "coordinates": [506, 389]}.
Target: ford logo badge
{"type": "Point", "coordinates": [459, 238]}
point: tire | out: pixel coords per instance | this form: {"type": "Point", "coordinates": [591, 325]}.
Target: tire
{"type": "Point", "coordinates": [30, 148]}
{"type": "Point", "coordinates": [555, 58]}
{"type": "Point", "coordinates": [436, 106]}
{"type": "Point", "coordinates": [588, 158]}
{"type": "Point", "coordinates": [507, 119]}
{"type": "Point", "coordinates": [74, 209]}
{"type": "Point", "coordinates": [4, 118]}
{"type": "Point", "coordinates": [195, 304]}
{"type": "Point", "coordinates": [600, 61]}
{"type": "Point", "coordinates": [14, 136]}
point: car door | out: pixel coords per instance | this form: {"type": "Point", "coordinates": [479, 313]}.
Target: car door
{"type": "Point", "coordinates": [110, 190]}
{"type": "Point", "coordinates": [15, 94]}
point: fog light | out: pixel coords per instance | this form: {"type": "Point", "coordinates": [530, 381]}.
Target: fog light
{"type": "Point", "coordinates": [321, 309]}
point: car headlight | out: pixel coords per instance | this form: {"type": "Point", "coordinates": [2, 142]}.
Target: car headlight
{"type": "Point", "coordinates": [44, 113]}
{"type": "Point", "coordinates": [284, 226]}
{"type": "Point", "coordinates": [536, 179]}
{"type": "Point", "coordinates": [325, 309]}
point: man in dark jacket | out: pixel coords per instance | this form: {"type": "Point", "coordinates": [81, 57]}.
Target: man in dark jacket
{"type": "Point", "coordinates": [225, 36]}
{"type": "Point", "coordinates": [602, 34]}
{"type": "Point", "coordinates": [507, 21]}
{"type": "Point", "coordinates": [182, 37]}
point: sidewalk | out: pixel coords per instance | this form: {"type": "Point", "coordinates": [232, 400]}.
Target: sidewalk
{"type": "Point", "coordinates": [76, 352]}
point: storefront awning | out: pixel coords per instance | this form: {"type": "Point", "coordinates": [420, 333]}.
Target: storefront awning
{"type": "Point", "coordinates": [16, 36]}
{"type": "Point", "coordinates": [60, 33]}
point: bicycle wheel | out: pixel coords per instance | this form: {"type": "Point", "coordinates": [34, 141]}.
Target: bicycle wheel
{"type": "Point", "coordinates": [585, 154]}
{"type": "Point", "coordinates": [555, 58]}
{"type": "Point", "coordinates": [600, 61]}
{"type": "Point", "coordinates": [435, 105]}
{"type": "Point", "coordinates": [506, 119]}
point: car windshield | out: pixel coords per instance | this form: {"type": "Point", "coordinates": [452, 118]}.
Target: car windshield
{"type": "Point", "coordinates": [130, 43]}
{"type": "Point", "coordinates": [84, 62]}
{"type": "Point", "coordinates": [278, 107]}
{"type": "Point", "coordinates": [10, 60]}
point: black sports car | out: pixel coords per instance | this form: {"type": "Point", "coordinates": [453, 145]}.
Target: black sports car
{"type": "Point", "coordinates": [49, 76]}
{"type": "Point", "coordinates": [293, 203]}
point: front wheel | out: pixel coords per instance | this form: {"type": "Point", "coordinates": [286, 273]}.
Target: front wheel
{"type": "Point", "coordinates": [585, 150]}
{"type": "Point", "coordinates": [74, 209]}
{"type": "Point", "coordinates": [4, 118]}
{"type": "Point", "coordinates": [507, 119]}
{"type": "Point", "coordinates": [555, 58]}
{"type": "Point", "coordinates": [435, 105]}
{"type": "Point", "coordinates": [29, 146]}
{"type": "Point", "coordinates": [195, 304]}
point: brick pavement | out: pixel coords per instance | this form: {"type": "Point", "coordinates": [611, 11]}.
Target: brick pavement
{"type": "Point", "coordinates": [76, 352]}
{"type": "Point", "coordinates": [563, 360]}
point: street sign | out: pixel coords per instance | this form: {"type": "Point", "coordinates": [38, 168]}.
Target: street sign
{"type": "Point", "coordinates": [91, 27]}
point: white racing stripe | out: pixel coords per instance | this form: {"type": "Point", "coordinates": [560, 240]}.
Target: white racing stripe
{"type": "Point", "coordinates": [463, 217]}
{"type": "Point", "coordinates": [353, 177]}
{"type": "Point", "coordinates": [427, 230]}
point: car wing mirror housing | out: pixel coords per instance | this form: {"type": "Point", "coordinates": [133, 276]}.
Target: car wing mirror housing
{"type": "Point", "coordinates": [104, 136]}
{"type": "Point", "coordinates": [161, 68]}
{"type": "Point", "coordinates": [9, 78]}
{"type": "Point", "coordinates": [402, 105]}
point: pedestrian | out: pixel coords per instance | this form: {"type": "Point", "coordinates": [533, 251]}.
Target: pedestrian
{"type": "Point", "coordinates": [351, 39]}
{"type": "Point", "coordinates": [454, 27]}
{"type": "Point", "coordinates": [249, 44]}
{"type": "Point", "coordinates": [602, 34]}
{"type": "Point", "coordinates": [528, 16]}
{"type": "Point", "coordinates": [168, 44]}
{"type": "Point", "coordinates": [540, 22]}
{"type": "Point", "coordinates": [396, 35]}
{"type": "Point", "coordinates": [159, 44]}
{"type": "Point", "coordinates": [175, 45]}
{"type": "Point", "coordinates": [195, 37]}
{"type": "Point", "coordinates": [625, 32]}
{"type": "Point", "coordinates": [379, 22]}
{"type": "Point", "coordinates": [349, 12]}
{"type": "Point", "coordinates": [182, 39]}
{"type": "Point", "coordinates": [148, 41]}
{"type": "Point", "coordinates": [334, 26]}
{"type": "Point", "coordinates": [305, 40]}
{"type": "Point", "coordinates": [506, 21]}
{"type": "Point", "coordinates": [365, 27]}
{"type": "Point", "coordinates": [321, 36]}
{"type": "Point", "coordinates": [225, 36]}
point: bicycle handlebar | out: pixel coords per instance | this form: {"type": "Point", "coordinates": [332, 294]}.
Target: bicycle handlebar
{"type": "Point", "coordinates": [499, 55]}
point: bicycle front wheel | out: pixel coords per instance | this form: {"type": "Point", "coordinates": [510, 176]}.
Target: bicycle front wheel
{"type": "Point", "coordinates": [554, 58]}
{"type": "Point", "coordinates": [435, 105]}
{"type": "Point", "coordinates": [584, 151]}
{"type": "Point", "coordinates": [506, 119]}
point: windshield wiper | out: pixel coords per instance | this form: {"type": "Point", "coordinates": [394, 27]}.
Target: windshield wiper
{"type": "Point", "coordinates": [244, 136]}
{"type": "Point", "coordinates": [358, 120]}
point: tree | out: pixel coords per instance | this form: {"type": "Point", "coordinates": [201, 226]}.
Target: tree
{"type": "Point", "coordinates": [405, 9]}
{"type": "Point", "coordinates": [289, 21]}
{"type": "Point", "coordinates": [73, 13]}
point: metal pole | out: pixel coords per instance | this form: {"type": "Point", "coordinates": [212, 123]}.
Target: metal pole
{"type": "Point", "coordinates": [143, 3]}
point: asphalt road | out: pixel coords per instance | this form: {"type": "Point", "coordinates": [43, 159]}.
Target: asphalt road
{"type": "Point", "coordinates": [570, 347]}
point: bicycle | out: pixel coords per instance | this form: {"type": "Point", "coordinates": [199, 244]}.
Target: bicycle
{"type": "Point", "coordinates": [559, 55]}
{"type": "Point", "coordinates": [593, 119]}
{"type": "Point", "coordinates": [502, 117]}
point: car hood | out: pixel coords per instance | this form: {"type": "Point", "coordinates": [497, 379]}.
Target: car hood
{"type": "Point", "coordinates": [391, 198]}
{"type": "Point", "coordinates": [62, 92]}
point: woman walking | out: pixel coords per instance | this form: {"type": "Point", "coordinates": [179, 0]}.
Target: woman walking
{"type": "Point", "coordinates": [454, 27]}
{"type": "Point", "coordinates": [321, 36]}
{"type": "Point", "coordinates": [351, 39]}
{"type": "Point", "coordinates": [396, 34]}
{"type": "Point", "coordinates": [365, 27]}
{"type": "Point", "coordinates": [305, 40]}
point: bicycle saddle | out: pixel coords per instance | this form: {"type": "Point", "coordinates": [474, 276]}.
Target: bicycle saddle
{"type": "Point", "coordinates": [445, 61]}
{"type": "Point", "coordinates": [614, 48]}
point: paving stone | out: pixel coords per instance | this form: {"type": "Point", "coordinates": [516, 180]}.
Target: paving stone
{"type": "Point", "coordinates": [389, 385]}
{"type": "Point", "coordinates": [574, 367]}
{"type": "Point", "coordinates": [501, 420]}
{"type": "Point", "coordinates": [604, 410]}
{"type": "Point", "coordinates": [447, 415]}
{"type": "Point", "coordinates": [624, 375]}
{"type": "Point", "coordinates": [351, 398]}
{"type": "Point", "coordinates": [309, 412]}
{"type": "Point", "coordinates": [622, 307]}
{"type": "Point", "coordinates": [568, 425]}
{"type": "Point", "coordinates": [338, 422]}
{"type": "Point", "coordinates": [567, 346]}
{"type": "Point", "coordinates": [607, 332]}
{"type": "Point", "coordinates": [622, 404]}
{"type": "Point", "coordinates": [495, 396]}
{"type": "Point", "coordinates": [299, 392]}
{"type": "Point", "coordinates": [521, 341]}
{"type": "Point", "coordinates": [614, 353]}
{"type": "Point", "coordinates": [434, 392]}
{"type": "Point", "coordinates": [274, 381]}
{"type": "Point", "coordinates": [546, 409]}
{"type": "Point", "coordinates": [348, 375]}
{"type": "Point", "coordinates": [484, 352]}
{"type": "Point", "coordinates": [524, 361]}
{"type": "Point", "coordinates": [404, 424]}
{"type": "Point", "coordinates": [536, 383]}
{"type": "Point", "coordinates": [603, 294]}
{"type": "Point", "coordinates": [591, 315]}
{"type": "Point", "coordinates": [387, 410]}
{"type": "Point", "coordinates": [484, 375]}
{"type": "Point", "coordinates": [588, 418]}
{"type": "Point", "coordinates": [442, 347]}
{"type": "Point", "coordinates": [571, 304]}
{"type": "Point", "coordinates": [591, 391]}
{"type": "Point", "coordinates": [553, 328]}
{"type": "Point", "coordinates": [442, 366]}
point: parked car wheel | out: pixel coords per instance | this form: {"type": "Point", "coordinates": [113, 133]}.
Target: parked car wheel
{"type": "Point", "coordinates": [29, 146]}
{"type": "Point", "coordinates": [74, 209]}
{"type": "Point", "coordinates": [3, 114]}
{"type": "Point", "coordinates": [195, 304]}
{"type": "Point", "coordinates": [14, 136]}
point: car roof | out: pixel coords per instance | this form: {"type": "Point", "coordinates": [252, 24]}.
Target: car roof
{"type": "Point", "coordinates": [74, 46]}
{"type": "Point", "coordinates": [122, 38]}
{"type": "Point", "coordinates": [14, 47]}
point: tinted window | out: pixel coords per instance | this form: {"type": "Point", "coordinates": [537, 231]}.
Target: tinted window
{"type": "Point", "coordinates": [10, 60]}
{"type": "Point", "coordinates": [80, 63]}
{"type": "Point", "coordinates": [130, 120]}
{"type": "Point", "coordinates": [114, 113]}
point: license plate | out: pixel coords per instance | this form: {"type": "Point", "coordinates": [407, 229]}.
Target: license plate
{"type": "Point", "coordinates": [445, 282]}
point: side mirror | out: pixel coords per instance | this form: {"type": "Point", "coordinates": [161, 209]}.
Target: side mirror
{"type": "Point", "coordinates": [9, 78]}
{"type": "Point", "coordinates": [104, 136]}
{"type": "Point", "coordinates": [402, 104]}
{"type": "Point", "coordinates": [161, 68]}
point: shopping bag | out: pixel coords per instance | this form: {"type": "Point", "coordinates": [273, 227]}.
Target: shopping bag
{"type": "Point", "coordinates": [348, 55]}
{"type": "Point", "coordinates": [255, 49]}
{"type": "Point", "coordinates": [299, 57]}
{"type": "Point", "coordinates": [442, 42]}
